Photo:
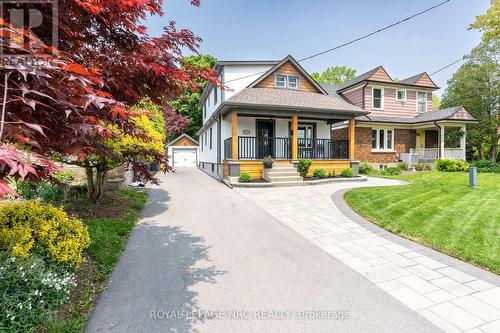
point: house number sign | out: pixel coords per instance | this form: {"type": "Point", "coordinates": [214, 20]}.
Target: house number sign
{"type": "Point", "coordinates": [246, 132]}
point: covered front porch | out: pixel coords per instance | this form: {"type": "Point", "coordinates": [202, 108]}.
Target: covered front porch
{"type": "Point", "coordinates": [286, 139]}
{"type": "Point", "coordinates": [432, 142]}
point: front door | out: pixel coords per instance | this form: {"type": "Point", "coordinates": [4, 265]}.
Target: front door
{"type": "Point", "coordinates": [431, 139]}
{"type": "Point", "coordinates": [265, 134]}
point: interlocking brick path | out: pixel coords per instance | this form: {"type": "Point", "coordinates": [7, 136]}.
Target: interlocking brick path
{"type": "Point", "coordinates": [453, 295]}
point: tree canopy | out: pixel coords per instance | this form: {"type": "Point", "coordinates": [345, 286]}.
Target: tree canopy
{"type": "Point", "coordinates": [476, 86]}
{"type": "Point", "coordinates": [489, 22]}
{"type": "Point", "coordinates": [79, 98]}
{"type": "Point", "coordinates": [188, 104]}
{"type": "Point", "coordinates": [334, 75]}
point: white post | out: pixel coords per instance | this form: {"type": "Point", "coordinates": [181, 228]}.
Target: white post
{"type": "Point", "coordinates": [441, 141]}
{"type": "Point", "coordinates": [463, 141]}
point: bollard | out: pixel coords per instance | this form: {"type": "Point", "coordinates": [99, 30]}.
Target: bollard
{"type": "Point", "coordinates": [472, 176]}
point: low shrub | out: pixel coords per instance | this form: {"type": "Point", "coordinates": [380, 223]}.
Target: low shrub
{"type": "Point", "coordinates": [347, 173]}
{"type": "Point", "coordinates": [304, 165]}
{"type": "Point", "coordinates": [391, 171]}
{"type": "Point", "coordinates": [331, 173]}
{"type": "Point", "coordinates": [365, 168]}
{"type": "Point", "coordinates": [403, 166]}
{"type": "Point", "coordinates": [31, 291]}
{"type": "Point", "coordinates": [451, 165]}
{"type": "Point", "coordinates": [423, 167]}
{"type": "Point", "coordinates": [28, 226]}
{"type": "Point", "coordinates": [245, 177]}
{"type": "Point", "coordinates": [44, 190]}
{"type": "Point", "coordinates": [486, 166]}
{"type": "Point", "coordinates": [319, 173]}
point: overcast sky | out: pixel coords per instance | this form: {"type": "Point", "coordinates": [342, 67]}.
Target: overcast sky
{"type": "Point", "coordinates": [272, 29]}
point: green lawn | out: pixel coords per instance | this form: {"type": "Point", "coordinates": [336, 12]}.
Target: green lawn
{"type": "Point", "coordinates": [439, 210]}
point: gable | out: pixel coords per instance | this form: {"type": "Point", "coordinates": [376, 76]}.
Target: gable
{"type": "Point", "coordinates": [425, 81]}
{"type": "Point", "coordinates": [380, 75]}
{"type": "Point", "coordinates": [462, 114]}
{"type": "Point", "coordinates": [184, 141]}
{"type": "Point", "coordinates": [288, 68]}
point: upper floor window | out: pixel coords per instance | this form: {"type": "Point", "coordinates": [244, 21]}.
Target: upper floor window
{"type": "Point", "coordinates": [378, 98]}
{"type": "Point", "coordinates": [205, 110]}
{"type": "Point", "coordinates": [382, 139]}
{"type": "Point", "coordinates": [401, 95]}
{"type": "Point", "coordinates": [421, 101]}
{"type": "Point", "coordinates": [215, 95]}
{"type": "Point", "coordinates": [286, 81]}
{"type": "Point", "coordinates": [210, 138]}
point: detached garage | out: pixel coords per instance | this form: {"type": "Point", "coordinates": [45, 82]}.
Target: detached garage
{"type": "Point", "coordinates": [183, 152]}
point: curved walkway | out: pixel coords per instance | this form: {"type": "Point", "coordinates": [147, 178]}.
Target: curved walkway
{"type": "Point", "coordinates": [205, 259]}
{"type": "Point", "coordinates": [454, 295]}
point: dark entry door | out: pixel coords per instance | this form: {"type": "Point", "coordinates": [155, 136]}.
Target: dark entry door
{"type": "Point", "coordinates": [431, 139]}
{"type": "Point", "coordinates": [265, 134]}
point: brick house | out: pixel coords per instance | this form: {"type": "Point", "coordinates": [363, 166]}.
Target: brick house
{"type": "Point", "coordinates": [401, 123]}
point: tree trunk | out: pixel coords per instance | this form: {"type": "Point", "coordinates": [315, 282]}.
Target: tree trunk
{"type": "Point", "coordinates": [481, 151]}
{"type": "Point", "coordinates": [101, 184]}
{"type": "Point", "coordinates": [90, 181]}
{"type": "Point", "coordinates": [494, 151]}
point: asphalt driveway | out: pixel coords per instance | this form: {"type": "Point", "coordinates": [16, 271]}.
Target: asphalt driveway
{"type": "Point", "coordinates": [206, 259]}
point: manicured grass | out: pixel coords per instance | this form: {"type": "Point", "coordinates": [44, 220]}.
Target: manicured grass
{"type": "Point", "coordinates": [439, 210]}
{"type": "Point", "coordinates": [108, 238]}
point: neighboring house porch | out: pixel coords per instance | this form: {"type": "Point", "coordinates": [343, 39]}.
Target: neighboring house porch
{"type": "Point", "coordinates": [431, 144]}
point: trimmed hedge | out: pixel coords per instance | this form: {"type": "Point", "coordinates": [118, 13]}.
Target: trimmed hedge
{"type": "Point", "coordinates": [319, 173]}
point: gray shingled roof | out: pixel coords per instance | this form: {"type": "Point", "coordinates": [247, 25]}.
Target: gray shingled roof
{"type": "Point", "coordinates": [412, 79]}
{"type": "Point", "coordinates": [291, 98]}
{"type": "Point", "coordinates": [331, 89]}
{"type": "Point", "coordinates": [421, 118]}
{"type": "Point", "coordinates": [358, 79]}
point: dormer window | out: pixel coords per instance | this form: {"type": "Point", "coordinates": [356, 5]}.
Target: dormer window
{"type": "Point", "coordinates": [293, 82]}
{"type": "Point", "coordinates": [401, 95]}
{"type": "Point", "coordinates": [286, 81]}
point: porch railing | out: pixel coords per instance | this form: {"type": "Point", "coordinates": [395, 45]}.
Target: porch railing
{"type": "Point", "coordinates": [281, 148]}
{"type": "Point", "coordinates": [323, 149]}
{"type": "Point", "coordinates": [426, 154]}
{"type": "Point", "coordinates": [454, 153]}
{"type": "Point", "coordinates": [432, 154]}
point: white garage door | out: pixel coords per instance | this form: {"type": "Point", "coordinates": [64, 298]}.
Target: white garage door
{"type": "Point", "coordinates": [184, 157]}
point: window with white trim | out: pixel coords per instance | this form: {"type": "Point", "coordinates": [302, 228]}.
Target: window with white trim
{"type": "Point", "coordinates": [378, 98]}
{"type": "Point", "coordinates": [286, 81]}
{"type": "Point", "coordinates": [401, 95]}
{"type": "Point", "coordinates": [421, 101]}
{"type": "Point", "coordinates": [382, 139]}
{"type": "Point", "coordinates": [210, 138]}
{"type": "Point", "coordinates": [216, 94]}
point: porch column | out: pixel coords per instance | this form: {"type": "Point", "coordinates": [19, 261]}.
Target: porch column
{"type": "Point", "coordinates": [234, 135]}
{"type": "Point", "coordinates": [441, 141]}
{"type": "Point", "coordinates": [463, 141]}
{"type": "Point", "coordinates": [352, 142]}
{"type": "Point", "coordinates": [295, 138]}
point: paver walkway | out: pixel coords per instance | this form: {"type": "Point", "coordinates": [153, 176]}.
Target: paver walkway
{"type": "Point", "coordinates": [201, 250]}
{"type": "Point", "coordinates": [450, 293]}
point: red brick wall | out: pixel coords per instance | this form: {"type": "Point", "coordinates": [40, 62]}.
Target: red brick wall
{"type": "Point", "coordinates": [403, 141]}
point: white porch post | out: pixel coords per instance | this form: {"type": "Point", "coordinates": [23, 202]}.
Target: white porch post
{"type": "Point", "coordinates": [463, 141]}
{"type": "Point", "coordinates": [441, 141]}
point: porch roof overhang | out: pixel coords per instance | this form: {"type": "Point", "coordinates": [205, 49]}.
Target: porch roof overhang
{"type": "Point", "coordinates": [457, 115]}
{"type": "Point", "coordinates": [286, 103]}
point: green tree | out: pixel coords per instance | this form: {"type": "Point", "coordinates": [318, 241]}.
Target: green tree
{"type": "Point", "coordinates": [188, 104]}
{"type": "Point", "coordinates": [476, 86]}
{"type": "Point", "coordinates": [334, 75]}
{"type": "Point", "coordinates": [489, 22]}
{"type": "Point", "coordinates": [436, 102]}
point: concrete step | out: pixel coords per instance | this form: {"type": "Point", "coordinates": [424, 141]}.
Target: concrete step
{"type": "Point", "coordinates": [282, 168]}
{"type": "Point", "coordinates": [283, 173]}
{"type": "Point", "coordinates": [274, 179]}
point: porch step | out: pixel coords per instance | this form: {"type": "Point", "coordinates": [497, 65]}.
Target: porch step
{"type": "Point", "coordinates": [283, 167]}
{"type": "Point", "coordinates": [281, 179]}
{"type": "Point", "coordinates": [284, 173]}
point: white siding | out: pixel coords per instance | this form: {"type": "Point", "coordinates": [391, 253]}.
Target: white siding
{"type": "Point", "coordinates": [248, 74]}
{"type": "Point", "coordinates": [207, 154]}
